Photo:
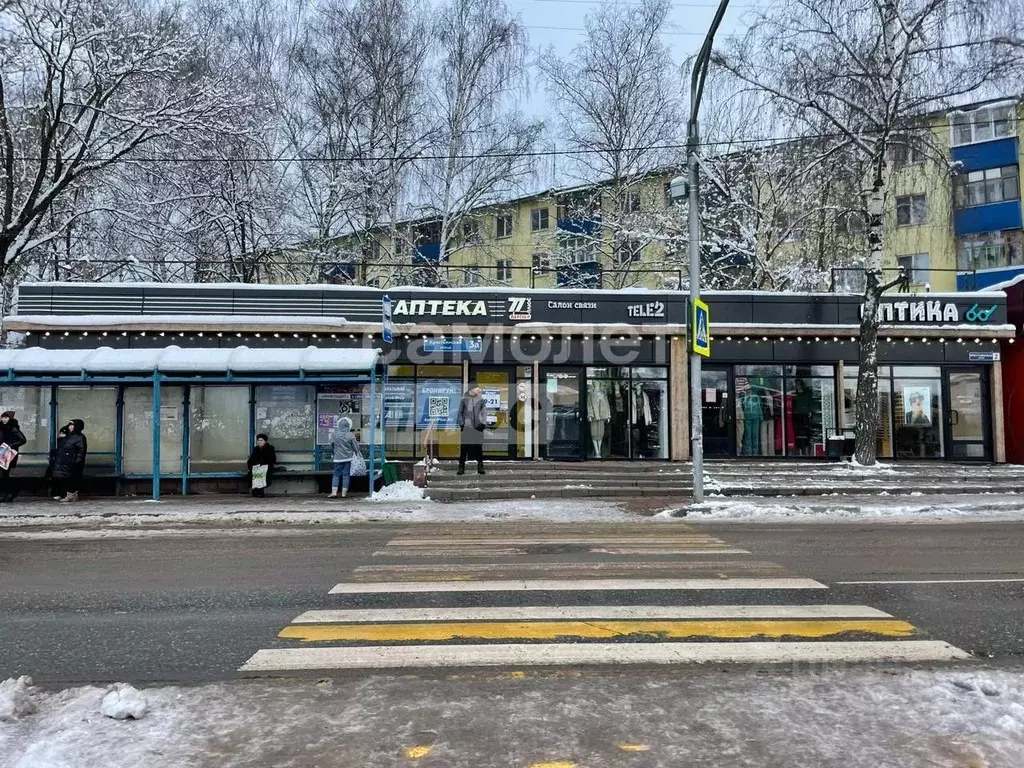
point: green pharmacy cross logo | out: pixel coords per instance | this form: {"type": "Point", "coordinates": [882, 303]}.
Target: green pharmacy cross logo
{"type": "Point", "coordinates": [976, 315]}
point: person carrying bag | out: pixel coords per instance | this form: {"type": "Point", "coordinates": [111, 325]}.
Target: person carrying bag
{"type": "Point", "coordinates": [11, 440]}
{"type": "Point", "coordinates": [261, 465]}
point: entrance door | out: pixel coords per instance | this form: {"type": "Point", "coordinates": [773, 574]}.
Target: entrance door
{"type": "Point", "coordinates": [561, 413]}
{"type": "Point", "coordinates": [717, 412]}
{"type": "Point", "coordinates": [967, 422]}
{"type": "Point", "coordinates": [498, 385]}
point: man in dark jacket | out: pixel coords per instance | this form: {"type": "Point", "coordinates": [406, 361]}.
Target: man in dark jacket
{"type": "Point", "coordinates": [262, 453]}
{"type": "Point", "coordinates": [70, 464]}
{"type": "Point", "coordinates": [472, 419]}
{"type": "Point", "coordinates": [11, 434]}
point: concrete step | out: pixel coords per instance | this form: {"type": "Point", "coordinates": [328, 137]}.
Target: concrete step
{"type": "Point", "coordinates": [477, 494]}
{"type": "Point", "coordinates": [475, 480]}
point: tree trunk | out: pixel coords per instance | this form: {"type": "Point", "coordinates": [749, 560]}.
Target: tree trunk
{"type": "Point", "coordinates": [867, 377]}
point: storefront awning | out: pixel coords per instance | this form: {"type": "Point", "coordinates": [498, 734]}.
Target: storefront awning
{"type": "Point", "coordinates": [174, 360]}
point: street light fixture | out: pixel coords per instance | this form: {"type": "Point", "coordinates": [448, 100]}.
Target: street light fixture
{"type": "Point", "coordinates": [689, 187]}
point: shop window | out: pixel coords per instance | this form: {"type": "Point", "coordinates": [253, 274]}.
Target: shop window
{"type": "Point", "coordinates": [437, 409]}
{"type": "Point", "coordinates": [399, 415]}
{"type": "Point", "coordinates": [650, 409]}
{"type": "Point", "coordinates": [287, 415]}
{"type": "Point", "coordinates": [137, 439]}
{"type": "Point", "coordinates": [993, 185]}
{"type": "Point", "coordinates": [31, 406]}
{"type": "Point", "coordinates": [759, 429]}
{"type": "Point", "coordinates": [918, 414]}
{"type": "Point", "coordinates": [911, 210]}
{"type": "Point", "coordinates": [810, 410]}
{"type": "Point", "coordinates": [219, 429]}
{"type": "Point", "coordinates": [916, 268]}
{"type": "Point", "coordinates": [97, 407]}
{"type": "Point", "coordinates": [609, 413]}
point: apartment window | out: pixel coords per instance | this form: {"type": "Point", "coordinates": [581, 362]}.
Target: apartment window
{"type": "Point", "coordinates": [538, 219]}
{"type": "Point", "coordinates": [911, 209]}
{"type": "Point", "coordinates": [541, 260]}
{"type": "Point", "coordinates": [503, 270]}
{"type": "Point", "coordinates": [628, 251]}
{"type": "Point", "coordinates": [471, 231]}
{"type": "Point", "coordinates": [985, 124]}
{"type": "Point", "coordinates": [632, 202]}
{"type": "Point", "coordinates": [993, 185]}
{"type": "Point", "coordinates": [994, 251]}
{"type": "Point", "coordinates": [905, 151]}
{"type": "Point", "coordinates": [578, 250]}
{"type": "Point", "coordinates": [790, 226]}
{"type": "Point", "coordinates": [504, 225]}
{"type": "Point", "coordinates": [471, 276]}
{"type": "Point", "coordinates": [915, 267]}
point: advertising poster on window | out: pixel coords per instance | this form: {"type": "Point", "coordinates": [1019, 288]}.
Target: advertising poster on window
{"type": "Point", "coordinates": [437, 403]}
{"type": "Point", "coordinates": [399, 399]}
{"type": "Point", "coordinates": [917, 406]}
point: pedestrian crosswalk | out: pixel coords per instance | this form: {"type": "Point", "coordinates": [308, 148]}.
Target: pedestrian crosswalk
{"type": "Point", "coordinates": [514, 595]}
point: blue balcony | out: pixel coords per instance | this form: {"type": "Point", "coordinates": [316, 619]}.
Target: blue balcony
{"type": "Point", "coordinates": [584, 275]}
{"type": "Point", "coordinates": [578, 226]}
{"type": "Point", "coordinates": [987, 154]}
{"type": "Point", "coordinates": [428, 253]}
{"type": "Point", "coordinates": [987, 218]}
{"type": "Point", "coordinates": [979, 281]}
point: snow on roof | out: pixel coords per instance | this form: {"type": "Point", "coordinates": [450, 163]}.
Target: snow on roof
{"type": "Point", "coordinates": [176, 360]}
{"type": "Point", "coordinates": [1015, 280]}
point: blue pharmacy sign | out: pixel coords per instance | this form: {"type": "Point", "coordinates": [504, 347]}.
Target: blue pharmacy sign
{"type": "Point", "coordinates": [385, 318]}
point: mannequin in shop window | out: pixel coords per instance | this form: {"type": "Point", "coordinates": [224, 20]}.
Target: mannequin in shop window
{"type": "Point", "coordinates": [643, 419]}
{"type": "Point", "coordinates": [599, 413]}
{"type": "Point", "coordinates": [803, 406]}
{"type": "Point", "coordinates": [751, 414]}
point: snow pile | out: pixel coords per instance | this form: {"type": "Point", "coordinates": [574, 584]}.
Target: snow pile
{"type": "Point", "coordinates": [878, 468]}
{"type": "Point", "coordinates": [123, 702]}
{"type": "Point", "coordinates": [855, 510]}
{"type": "Point", "coordinates": [403, 490]}
{"type": "Point", "coordinates": [16, 699]}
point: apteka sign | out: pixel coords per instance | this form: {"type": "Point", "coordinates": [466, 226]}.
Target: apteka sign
{"type": "Point", "coordinates": [441, 307]}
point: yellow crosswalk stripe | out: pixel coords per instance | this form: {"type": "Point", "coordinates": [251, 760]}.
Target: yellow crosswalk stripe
{"type": "Point", "coordinates": [555, 630]}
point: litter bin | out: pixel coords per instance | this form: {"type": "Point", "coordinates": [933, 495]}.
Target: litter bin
{"type": "Point", "coordinates": [836, 447]}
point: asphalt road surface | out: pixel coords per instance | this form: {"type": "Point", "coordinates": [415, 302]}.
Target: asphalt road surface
{"type": "Point", "coordinates": [200, 608]}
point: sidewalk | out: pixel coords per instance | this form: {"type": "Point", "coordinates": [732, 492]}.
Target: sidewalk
{"type": "Point", "coordinates": [856, 717]}
{"type": "Point", "coordinates": [128, 517]}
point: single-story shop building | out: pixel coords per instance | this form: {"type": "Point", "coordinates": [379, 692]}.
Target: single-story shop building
{"type": "Point", "coordinates": [566, 375]}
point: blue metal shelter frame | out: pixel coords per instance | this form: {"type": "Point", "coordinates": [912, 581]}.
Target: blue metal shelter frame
{"type": "Point", "coordinates": [375, 378]}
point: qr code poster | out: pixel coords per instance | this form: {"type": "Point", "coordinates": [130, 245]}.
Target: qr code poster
{"type": "Point", "coordinates": [437, 408]}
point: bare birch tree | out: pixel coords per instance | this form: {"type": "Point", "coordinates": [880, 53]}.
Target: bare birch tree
{"type": "Point", "coordinates": [480, 144]}
{"type": "Point", "coordinates": [84, 86]}
{"type": "Point", "coordinates": [868, 71]}
{"type": "Point", "coordinates": [616, 96]}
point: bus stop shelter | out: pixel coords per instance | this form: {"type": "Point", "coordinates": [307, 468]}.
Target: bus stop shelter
{"type": "Point", "coordinates": [177, 416]}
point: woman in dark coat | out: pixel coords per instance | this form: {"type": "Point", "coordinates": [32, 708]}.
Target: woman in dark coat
{"type": "Point", "coordinates": [11, 434]}
{"type": "Point", "coordinates": [262, 453]}
{"type": "Point", "coordinates": [70, 464]}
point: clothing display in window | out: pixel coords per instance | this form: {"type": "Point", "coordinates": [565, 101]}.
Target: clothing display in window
{"type": "Point", "coordinates": [599, 413]}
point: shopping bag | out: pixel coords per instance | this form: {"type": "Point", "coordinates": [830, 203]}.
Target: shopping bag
{"type": "Point", "coordinates": [7, 455]}
{"type": "Point", "coordinates": [259, 475]}
{"type": "Point", "coordinates": [358, 466]}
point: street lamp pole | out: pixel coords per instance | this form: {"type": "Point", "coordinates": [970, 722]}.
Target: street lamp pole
{"type": "Point", "coordinates": [697, 77]}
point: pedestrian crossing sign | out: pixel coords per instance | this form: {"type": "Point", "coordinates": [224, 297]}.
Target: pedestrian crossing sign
{"type": "Point", "coordinates": [701, 328]}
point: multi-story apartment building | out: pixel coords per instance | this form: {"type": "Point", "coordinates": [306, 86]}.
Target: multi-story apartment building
{"type": "Point", "coordinates": [956, 213]}
{"type": "Point", "coordinates": [954, 222]}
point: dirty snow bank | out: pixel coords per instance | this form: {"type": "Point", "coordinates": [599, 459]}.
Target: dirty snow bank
{"type": "Point", "coordinates": [403, 490]}
{"type": "Point", "coordinates": [16, 699]}
{"type": "Point", "coordinates": [854, 718]}
{"type": "Point", "coordinates": [830, 510]}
